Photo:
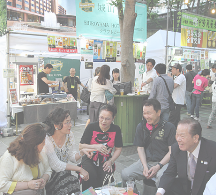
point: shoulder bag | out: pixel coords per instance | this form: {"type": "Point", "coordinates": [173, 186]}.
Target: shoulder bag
{"type": "Point", "coordinates": [108, 95]}
{"type": "Point", "coordinates": [85, 95]}
{"type": "Point", "coordinates": [170, 99]}
{"type": "Point", "coordinates": [29, 191]}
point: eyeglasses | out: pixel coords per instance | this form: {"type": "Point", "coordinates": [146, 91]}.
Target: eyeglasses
{"type": "Point", "coordinates": [68, 123]}
{"type": "Point", "coordinates": [106, 119]}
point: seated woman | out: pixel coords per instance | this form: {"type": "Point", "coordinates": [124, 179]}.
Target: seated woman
{"type": "Point", "coordinates": [101, 136]}
{"type": "Point", "coordinates": [60, 149]}
{"type": "Point", "coordinates": [24, 166]}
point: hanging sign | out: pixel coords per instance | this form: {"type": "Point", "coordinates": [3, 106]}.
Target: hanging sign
{"type": "Point", "coordinates": [62, 44]}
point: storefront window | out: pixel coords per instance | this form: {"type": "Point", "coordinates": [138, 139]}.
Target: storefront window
{"type": "Point", "coordinates": [9, 3]}
{"type": "Point", "coordinates": [26, 8]}
{"type": "Point", "coordinates": [26, 2]}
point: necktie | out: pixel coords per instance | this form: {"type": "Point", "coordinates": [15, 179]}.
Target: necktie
{"type": "Point", "coordinates": [192, 164]}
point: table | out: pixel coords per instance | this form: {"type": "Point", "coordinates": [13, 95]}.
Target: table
{"type": "Point", "coordinates": [35, 113]}
{"type": "Point", "coordinates": [129, 115]}
{"type": "Point", "coordinates": [54, 95]}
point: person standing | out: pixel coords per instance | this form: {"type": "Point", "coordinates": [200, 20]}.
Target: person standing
{"type": "Point", "coordinates": [72, 81]}
{"type": "Point", "coordinates": [148, 76]}
{"type": "Point", "coordinates": [200, 83]}
{"type": "Point", "coordinates": [159, 90]}
{"type": "Point", "coordinates": [189, 87]}
{"type": "Point", "coordinates": [99, 85]}
{"type": "Point", "coordinates": [178, 94]}
{"type": "Point", "coordinates": [213, 112]}
{"type": "Point", "coordinates": [116, 77]}
{"type": "Point", "coordinates": [43, 81]}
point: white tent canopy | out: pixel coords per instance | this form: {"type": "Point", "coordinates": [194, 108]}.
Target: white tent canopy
{"type": "Point", "coordinates": [156, 44]}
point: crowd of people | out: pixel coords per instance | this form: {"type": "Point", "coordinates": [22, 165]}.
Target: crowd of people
{"type": "Point", "coordinates": [171, 151]}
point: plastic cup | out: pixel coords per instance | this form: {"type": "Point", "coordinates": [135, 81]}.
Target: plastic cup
{"type": "Point", "coordinates": [130, 187]}
{"type": "Point", "coordinates": [122, 91]}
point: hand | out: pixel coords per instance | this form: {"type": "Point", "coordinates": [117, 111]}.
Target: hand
{"type": "Point", "coordinates": [43, 183]}
{"type": "Point", "coordinates": [85, 174]}
{"type": "Point", "coordinates": [142, 84]}
{"type": "Point", "coordinates": [153, 171]}
{"type": "Point", "coordinates": [145, 172]}
{"type": "Point", "coordinates": [158, 193]}
{"type": "Point", "coordinates": [103, 149]}
{"type": "Point", "coordinates": [34, 184]}
{"type": "Point", "coordinates": [107, 166]}
{"type": "Point", "coordinates": [88, 152]}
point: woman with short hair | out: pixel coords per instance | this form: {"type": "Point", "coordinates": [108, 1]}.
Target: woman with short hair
{"type": "Point", "coordinates": [101, 137]}
{"type": "Point", "coordinates": [24, 166]}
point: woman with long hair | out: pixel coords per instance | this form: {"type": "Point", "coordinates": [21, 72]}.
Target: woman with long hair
{"type": "Point", "coordinates": [24, 166]}
{"type": "Point", "coordinates": [116, 77]}
{"type": "Point", "coordinates": [60, 149]}
{"type": "Point", "coordinates": [99, 85]}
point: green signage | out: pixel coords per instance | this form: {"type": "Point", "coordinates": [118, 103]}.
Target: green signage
{"type": "Point", "coordinates": [98, 19]}
{"type": "Point", "coordinates": [200, 22]}
{"type": "Point", "coordinates": [61, 67]}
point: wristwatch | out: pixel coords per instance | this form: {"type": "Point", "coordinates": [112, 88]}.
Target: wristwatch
{"type": "Point", "coordinates": [161, 165]}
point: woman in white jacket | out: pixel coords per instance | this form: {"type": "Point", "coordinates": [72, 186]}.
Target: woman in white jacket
{"type": "Point", "coordinates": [24, 165]}
{"type": "Point", "coordinates": [99, 85]}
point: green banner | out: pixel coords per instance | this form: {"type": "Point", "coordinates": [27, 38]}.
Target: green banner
{"type": "Point", "coordinates": [98, 19]}
{"type": "Point", "coordinates": [200, 22]}
{"type": "Point", "coordinates": [61, 67]}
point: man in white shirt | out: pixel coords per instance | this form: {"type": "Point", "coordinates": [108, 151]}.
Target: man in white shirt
{"type": "Point", "coordinates": [149, 76]}
{"type": "Point", "coordinates": [192, 159]}
{"type": "Point", "coordinates": [178, 94]}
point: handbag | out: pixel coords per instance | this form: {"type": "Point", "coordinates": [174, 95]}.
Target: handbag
{"type": "Point", "coordinates": [85, 95]}
{"type": "Point", "coordinates": [127, 86]}
{"type": "Point", "coordinates": [29, 191]}
{"type": "Point", "coordinates": [170, 99]}
{"type": "Point", "coordinates": [108, 95]}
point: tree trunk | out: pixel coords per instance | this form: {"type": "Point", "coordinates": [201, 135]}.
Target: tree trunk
{"type": "Point", "coordinates": [127, 23]}
{"type": "Point", "coordinates": [198, 4]}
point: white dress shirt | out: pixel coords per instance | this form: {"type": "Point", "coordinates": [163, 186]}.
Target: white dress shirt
{"type": "Point", "coordinates": [195, 154]}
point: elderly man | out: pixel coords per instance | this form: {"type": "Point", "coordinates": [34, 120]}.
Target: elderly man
{"type": "Point", "coordinates": [192, 159]}
{"type": "Point", "coordinates": [153, 139]}
{"type": "Point", "coordinates": [149, 76]}
{"type": "Point", "coordinates": [72, 81]}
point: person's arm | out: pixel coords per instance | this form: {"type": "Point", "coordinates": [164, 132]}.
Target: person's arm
{"type": "Point", "coordinates": [107, 166]}
{"type": "Point", "coordinates": [142, 156]}
{"type": "Point", "coordinates": [45, 80]}
{"type": "Point", "coordinates": [65, 87]}
{"type": "Point", "coordinates": [153, 170]}
{"type": "Point", "coordinates": [154, 89]}
{"type": "Point", "coordinates": [83, 85]}
{"type": "Point", "coordinates": [153, 75]}
{"type": "Point", "coordinates": [176, 85]}
{"type": "Point", "coordinates": [109, 87]}
{"type": "Point", "coordinates": [95, 147]}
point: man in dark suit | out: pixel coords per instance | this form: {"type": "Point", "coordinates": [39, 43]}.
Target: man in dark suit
{"type": "Point", "coordinates": [192, 159]}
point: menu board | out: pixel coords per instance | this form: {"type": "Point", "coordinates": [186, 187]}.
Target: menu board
{"type": "Point", "coordinates": [62, 44]}
{"type": "Point", "coordinates": [13, 96]}
{"type": "Point", "coordinates": [26, 74]}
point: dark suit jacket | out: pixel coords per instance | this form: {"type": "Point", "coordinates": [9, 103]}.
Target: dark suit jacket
{"type": "Point", "coordinates": [205, 168]}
